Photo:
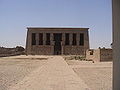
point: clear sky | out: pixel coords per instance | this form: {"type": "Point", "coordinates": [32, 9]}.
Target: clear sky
{"type": "Point", "coordinates": [17, 15]}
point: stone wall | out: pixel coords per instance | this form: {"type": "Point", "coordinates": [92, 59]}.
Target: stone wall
{"type": "Point", "coordinates": [98, 55]}
{"type": "Point", "coordinates": [106, 54]}
{"type": "Point", "coordinates": [4, 52]}
{"type": "Point", "coordinates": [41, 50]}
{"type": "Point", "coordinates": [93, 54]}
{"type": "Point", "coordinates": [74, 50]}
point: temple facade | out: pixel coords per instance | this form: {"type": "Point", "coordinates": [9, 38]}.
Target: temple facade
{"type": "Point", "coordinates": [57, 41]}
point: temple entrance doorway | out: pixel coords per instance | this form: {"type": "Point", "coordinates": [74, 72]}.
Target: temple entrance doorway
{"type": "Point", "coordinates": [57, 45]}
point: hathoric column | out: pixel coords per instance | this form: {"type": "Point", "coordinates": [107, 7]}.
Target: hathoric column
{"type": "Point", "coordinates": [116, 44]}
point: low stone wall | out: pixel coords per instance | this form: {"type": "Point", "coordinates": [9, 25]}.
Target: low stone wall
{"type": "Point", "coordinates": [98, 55]}
{"type": "Point", "coordinates": [106, 55]}
{"type": "Point", "coordinates": [42, 50]}
{"type": "Point", "coordinates": [73, 50]}
{"type": "Point", "coordinates": [4, 52]}
{"type": "Point", "coordinates": [13, 54]}
{"type": "Point", "coordinates": [93, 54]}
{"type": "Point", "coordinates": [49, 50]}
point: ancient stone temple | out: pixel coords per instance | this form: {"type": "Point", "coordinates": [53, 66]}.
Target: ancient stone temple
{"type": "Point", "coordinates": [57, 41]}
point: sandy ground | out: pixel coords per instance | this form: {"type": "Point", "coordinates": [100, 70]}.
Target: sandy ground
{"type": "Point", "coordinates": [54, 75]}
{"type": "Point", "coordinates": [14, 69]}
{"type": "Point", "coordinates": [98, 76]}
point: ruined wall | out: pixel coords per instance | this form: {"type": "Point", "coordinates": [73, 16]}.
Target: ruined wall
{"type": "Point", "coordinates": [106, 55]}
{"type": "Point", "coordinates": [93, 55]}
{"type": "Point", "coordinates": [98, 55]}
{"type": "Point", "coordinates": [4, 52]}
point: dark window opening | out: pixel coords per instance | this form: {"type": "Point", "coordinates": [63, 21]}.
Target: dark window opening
{"type": "Point", "coordinates": [40, 38]}
{"type": "Point", "coordinates": [81, 39]}
{"type": "Point", "coordinates": [47, 38]}
{"type": "Point", "coordinates": [57, 43]}
{"type": "Point", "coordinates": [91, 52]}
{"type": "Point", "coordinates": [74, 39]}
{"type": "Point", "coordinates": [57, 37]}
{"type": "Point", "coordinates": [67, 39]}
{"type": "Point", "coordinates": [33, 38]}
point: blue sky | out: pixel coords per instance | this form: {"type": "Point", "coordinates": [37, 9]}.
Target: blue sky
{"type": "Point", "coordinates": [17, 15]}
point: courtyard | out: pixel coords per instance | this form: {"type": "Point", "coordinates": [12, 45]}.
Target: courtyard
{"type": "Point", "coordinates": [53, 73]}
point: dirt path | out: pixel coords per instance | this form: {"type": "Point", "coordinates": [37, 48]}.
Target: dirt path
{"type": "Point", "coordinates": [54, 75]}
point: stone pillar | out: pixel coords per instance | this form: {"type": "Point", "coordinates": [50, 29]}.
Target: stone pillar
{"type": "Point", "coordinates": [52, 43]}
{"type": "Point", "coordinates": [88, 46]}
{"type": "Point", "coordinates": [63, 38]}
{"type": "Point", "coordinates": [116, 44]}
{"type": "Point", "coordinates": [44, 38]}
{"type": "Point", "coordinates": [71, 38]}
{"type": "Point", "coordinates": [28, 42]}
{"type": "Point", "coordinates": [37, 38]}
{"type": "Point", "coordinates": [78, 38]}
{"type": "Point", "coordinates": [63, 43]}
{"type": "Point", "coordinates": [51, 39]}
{"type": "Point", "coordinates": [86, 41]}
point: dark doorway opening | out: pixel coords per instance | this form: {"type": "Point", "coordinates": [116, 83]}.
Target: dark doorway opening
{"type": "Point", "coordinates": [57, 46]}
